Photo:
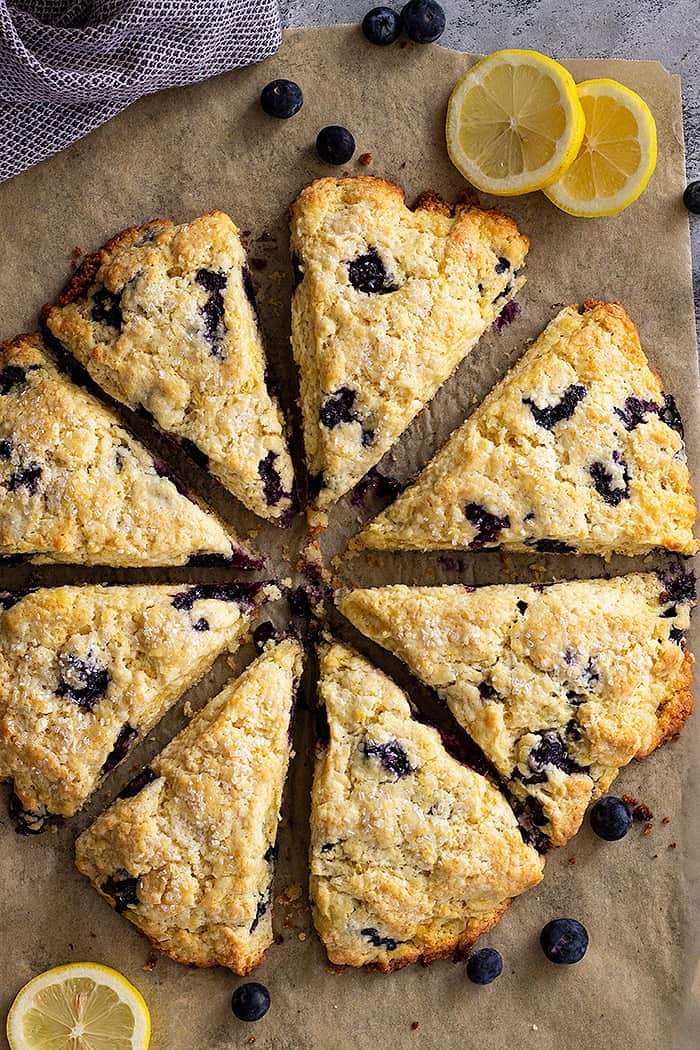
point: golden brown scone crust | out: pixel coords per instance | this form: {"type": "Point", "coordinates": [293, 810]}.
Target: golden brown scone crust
{"type": "Point", "coordinates": [560, 687]}
{"type": "Point", "coordinates": [413, 855]}
{"type": "Point", "coordinates": [75, 486]}
{"type": "Point", "coordinates": [187, 348]}
{"type": "Point", "coordinates": [370, 360]}
{"type": "Point", "coordinates": [605, 472]}
{"type": "Point", "coordinates": [196, 843]}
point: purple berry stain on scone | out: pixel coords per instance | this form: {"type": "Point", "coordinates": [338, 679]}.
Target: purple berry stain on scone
{"type": "Point", "coordinates": [270, 477]}
{"type": "Point", "coordinates": [391, 755]}
{"type": "Point", "coordinates": [611, 483]}
{"type": "Point", "coordinates": [213, 282]}
{"type": "Point", "coordinates": [550, 415]}
{"type": "Point", "coordinates": [373, 936]}
{"type": "Point", "coordinates": [635, 411]}
{"type": "Point", "coordinates": [508, 314]}
{"type": "Point", "coordinates": [367, 273]}
{"type": "Point", "coordinates": [125, 738]}
{"type": "Point", "coordinates": [82, 681]}
{"type": "Point", "coordinates": [486, 525]}
{"type": "Point", "coordinates": [262, 906]}
{"type": "Point", "coordinates": [123, 891]}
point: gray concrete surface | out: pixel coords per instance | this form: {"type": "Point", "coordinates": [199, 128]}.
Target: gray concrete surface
{"type": "Point", "coordinates": [651, 29]}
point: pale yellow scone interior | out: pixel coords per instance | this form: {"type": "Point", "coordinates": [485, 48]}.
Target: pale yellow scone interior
{"type": "Point", "coordinates": [388, 302]}
{"type": "Point", "coordinates": [75, 486]}
{"type": "Point", "coordinates": [188, 855]}
{"type": "Point", "coordinates": [560, 686]}
{"type": "Point", "coordinates": [163, 318]}
{"type": "Point", "coordinates": [413, 855]}
{"type": "Point", "coordinates": [577, 450]}
{"type": "Point", "coordinates": [86, 672]}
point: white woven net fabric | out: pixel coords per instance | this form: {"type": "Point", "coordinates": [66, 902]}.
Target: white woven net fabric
{"type": "Point", "coordinates": [67, 67]}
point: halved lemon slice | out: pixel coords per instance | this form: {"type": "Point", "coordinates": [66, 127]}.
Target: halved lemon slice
{"type": "Point", "coordinates": [514, 122]}
{"type": "Point", "coordinates": [83, 1006]}
{"type": "Point", "coordinates": [617, 155]}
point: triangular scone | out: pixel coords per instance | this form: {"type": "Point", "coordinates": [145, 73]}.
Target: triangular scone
{"type": "Point", "coordinates": [86, 672]}
{"type": "Point", "coordinates": [577, 450]}
{"type": "Point", "coordinates": [559, 686]}
{"type": "Point", "coordinates": [163, 318]}
{"type": "Point", "coordinates": [187, 852]}
{"type": "Point", "coordinates": [388, 302]}
{"type": "Point", "coordinates": [413, 855]}
{"type": "Point", "coordinates": [75, 486]}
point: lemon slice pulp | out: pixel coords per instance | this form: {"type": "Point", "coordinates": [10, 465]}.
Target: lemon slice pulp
{"type": "Point", "coordinates": [83, 1006]}
{"type": "Point", "coordinates": [514, 122]}
{"type": "Point", "coordinates": [617, 155]}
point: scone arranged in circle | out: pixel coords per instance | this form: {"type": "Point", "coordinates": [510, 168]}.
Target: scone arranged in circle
{"type": "Point", "coordinates": [86, 672]}
{"type": "Point", "coordinates": [163, 318]}
{"type": "Point", "coordinates": [559, 686]}
{"type": "Point", "coordinates": [577, 450]}
{"type": "Point", "coordinates": [75, 486]}
{"type": "Point", "coordinates": [388, 301]}
{"type": "Point", "coordinates": [413, 855]}
{"type": "Point", "coordinates": [187, 851]}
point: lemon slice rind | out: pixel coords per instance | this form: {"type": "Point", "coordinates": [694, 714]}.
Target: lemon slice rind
{"type": "Point", "coordinates": [43, 1000]}
{"type": "Point", "coordinates": [566, 140]}
{"type": "Point", "coordinates": [600, 206]}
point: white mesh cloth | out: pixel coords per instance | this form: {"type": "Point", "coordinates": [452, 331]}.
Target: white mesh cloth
{"type": "Point", "coordinates": [67, 67]}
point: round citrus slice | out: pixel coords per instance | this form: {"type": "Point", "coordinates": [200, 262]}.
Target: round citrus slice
{"type": "Point", "coordinates": [514, 122]}
{"type": "Point", "coordinates": [617, 155]}
{"type": "Point", "coordinates": [83, 1006]}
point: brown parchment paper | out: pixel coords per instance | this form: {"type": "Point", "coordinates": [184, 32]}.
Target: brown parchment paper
{"type": "Point", "coordinates": [184, 152]}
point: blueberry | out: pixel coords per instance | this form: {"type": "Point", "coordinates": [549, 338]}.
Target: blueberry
{"type": "Point", "coordinates": [635, 411]}
{"type": "Point", "coordinates": [250, 1001]}
{"type": "Point", "coordinates": [242, 593]}
{"type": "Point", "coordinates": [676, 635]}
{"type": "Point", "coordinates": [679, 585]}
{"type": "Point", "coordinates": [521, 607]}
{"type": "Point", "coordinates": [484, 966]}
{"type": "Point", "coordinates": [691, 197]}
{"type": "Point", "coordinates": [423, 21]}
{"type": "Point", "coordinates": [281, 98]}
{"type": "Point", "coordinates": [670, 415]}
{"type": "Point", "coordinates": [25, 478]}
{"type": "Point", "coordinates": [262, 906]}
{"type": "Point", "coordinates": [270, 477]}
{"type": "Point", "coordinates": [264, 633]}
{"type": "Point", "coordinates": [550, 751]}
{"type": "Point", "coordinates": [338, 408]}
{"type": "Point", "coordinates": [212, 309]}
{"type": "Point", "coordinates": [550, 546]}
{"type": "Point", "coordinates": [300, 603]}
{"type": "Point", "coordinates": [377, 941]}
{"type": "Point", "coordinates": [138, 783]}
{"type": "Point", "coordinates": [487, 525]}
{"type": "Point", "coordinates": [123, 891]}
{"type": "Point", "coordinates": [107, 309]}
{"type": "Point", "coordinates": [564, 941]}
{"type": "Point", "coordinates": [487, 692]}
{"type": "Point", "coordinates": [502, 265]}
{"type": "Point", "coordinates": [125, 738]}
{"type": "Point", "coordinates": [335, 145]}
{"type": "Point", "coordinates": [610, 818]}
{"type": "Point", "coordinates": [26, 821]}
{"type": "Point", "coordinates": [5, 449]}
{"type": "Point", "coordinates": [606, 483]}
{"type": "Point", "coordinates": [13, 375]}
{"type": "Point", "coordinates": [549, 416]}
{"type": "Point", "coordinates": [391, 755]}
{"type": "Point", "coordinates": [367, 273]}
{"type": "Point", "coordinates": [382, 25]}
{"type": "Point", "coordinates": [83, 681]}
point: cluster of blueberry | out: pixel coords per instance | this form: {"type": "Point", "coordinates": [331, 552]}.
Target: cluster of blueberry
{"type": "Point", "coordinates": [423, 21]}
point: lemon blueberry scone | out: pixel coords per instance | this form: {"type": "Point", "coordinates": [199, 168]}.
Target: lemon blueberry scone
{"type": "Point", "coordinates": [578, 449]}
{"type": "Point", "coordinates": [86, 672]}
{"type": "Point", "coordinates": [187, 851]}
{"type": "Point", "coordinates": [560, 686]}
{"type": "Point", "coordinates": [413, 855]}
{"type": "Point", "coordinates": [163, 318]}
{"type": "Point", "coordinates": [75, 486]}
{"type": "Point", "coordinates": [387, 302]}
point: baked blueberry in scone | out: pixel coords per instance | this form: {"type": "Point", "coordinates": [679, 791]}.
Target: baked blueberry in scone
{"type": "Point", "coordinates": [577, 450]}
{"type": "Point", "coordinates": [187, 851]}
{"type": "Point", "coordinates": [388, 301]}
{"type": "Point", "coordinates": [86, 672]}
{"type": "Point", "coordinates": [163, 317]}
{"type": "Point", "coordinates": [75, 486]}
{"type": "Point", "coordinates": [413, 855]}
{"type": "Point", "coordinates": [559, 686]}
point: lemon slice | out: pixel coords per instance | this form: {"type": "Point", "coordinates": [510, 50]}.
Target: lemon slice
{"type": "Point", "coordinates": [617, 155]}
{"type": "Point", "coordinates": [83, 1006]}
{"type": "Point", "coordinates": [514, 122]}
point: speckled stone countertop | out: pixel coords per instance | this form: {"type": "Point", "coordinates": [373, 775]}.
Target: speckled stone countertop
{"type": "Point", "coordinates": [666, 30]}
